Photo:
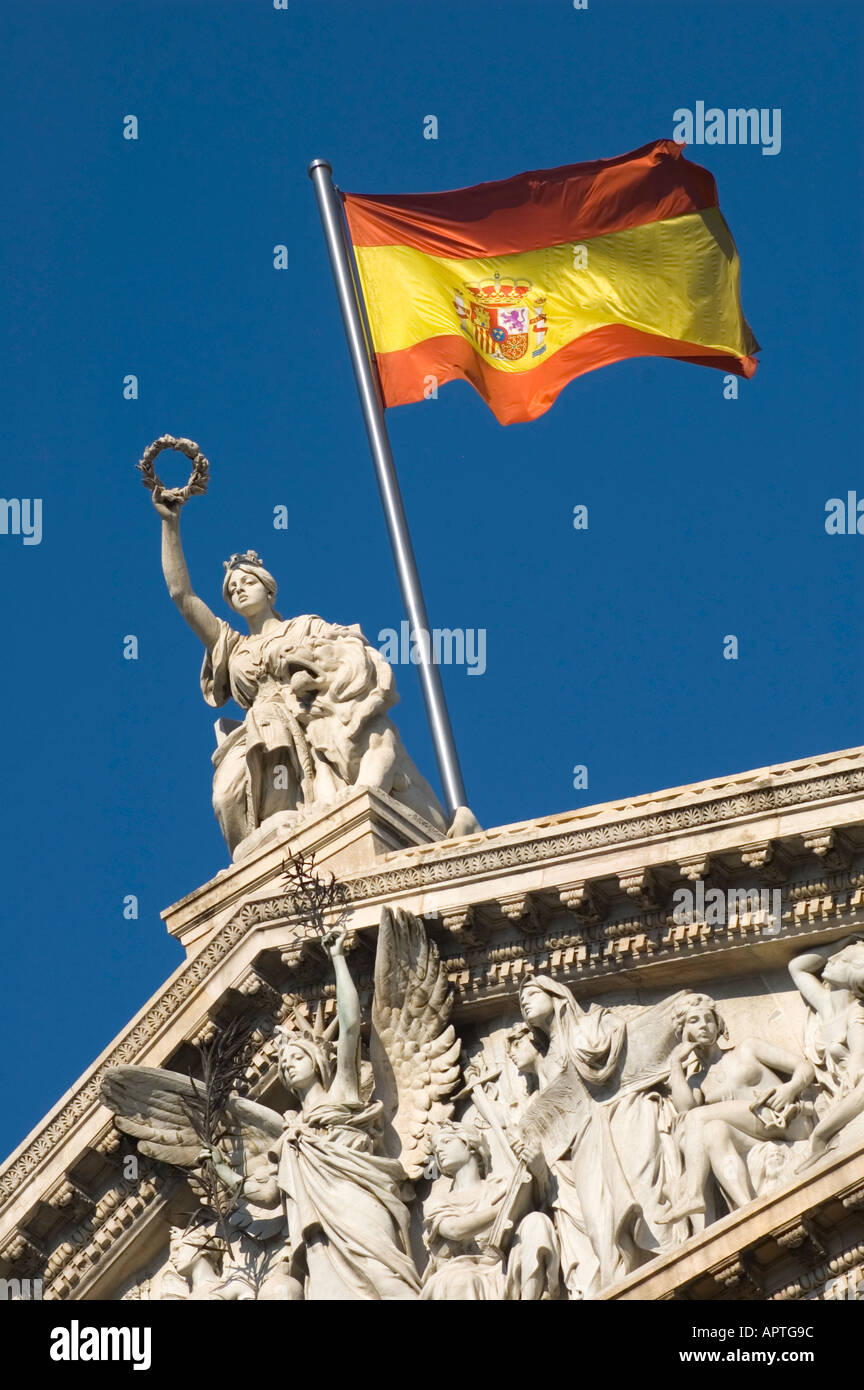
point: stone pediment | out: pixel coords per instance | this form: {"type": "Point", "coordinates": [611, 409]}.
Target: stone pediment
{"type": "Point", "coordinates": [586, 898]}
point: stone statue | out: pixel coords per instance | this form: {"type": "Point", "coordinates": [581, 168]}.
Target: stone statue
{"type": "Point", "coordinates": [204, 1267]}
{"type": "Point", "coordinates": [162, 1111]}
{"type": "Point", "coordinates": [484, 1242]}
{"type": "Point", "coordinates": [344, 1205]}
{"type": "Point", "coordinates": [193, 1272]}
{"type": "Point", "coordinates": [595, 1211]}
{"type": "Point", "coordinates": [313, 1186]}
{"type": "Point", "coordinates": [730, 1098]}
{"type": "Point", "coordinates": [316, 697]}
{"type": "Point", "coordinates": [602, 1115]}
{"type": "Point", "coordinates": [830, 980]}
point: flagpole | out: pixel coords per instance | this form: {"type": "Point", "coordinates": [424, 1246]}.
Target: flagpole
{"type": "Point", "coordinates": [371, 401]}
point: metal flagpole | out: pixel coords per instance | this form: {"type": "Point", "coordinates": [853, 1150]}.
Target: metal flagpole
{"type": "Point", "coordinates": [366, 376]}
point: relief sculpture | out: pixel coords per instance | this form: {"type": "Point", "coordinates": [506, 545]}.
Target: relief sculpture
{"type": "Point", "coordinates": [582, 1142]}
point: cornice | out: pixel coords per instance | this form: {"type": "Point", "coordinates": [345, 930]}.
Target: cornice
{"type": "Point", "coordinates": [503, 850]}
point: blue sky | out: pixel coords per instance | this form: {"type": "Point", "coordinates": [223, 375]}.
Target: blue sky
{"type": "Point", "coordinates": [155, 257]}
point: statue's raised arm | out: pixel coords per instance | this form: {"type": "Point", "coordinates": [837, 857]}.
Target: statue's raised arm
{"type": "Point", "coordinates": [346, 1083]}
{"type": "Point", "coordinates": [202, 621]}
{"type": "Point", "coordinates": [169, 502]}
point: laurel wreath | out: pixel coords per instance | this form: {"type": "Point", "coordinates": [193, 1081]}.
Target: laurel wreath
{"type": "Point", "coordinates": [197, 478]}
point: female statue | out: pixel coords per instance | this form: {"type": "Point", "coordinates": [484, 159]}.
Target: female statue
{"type": "Point", "coordinates": [730, 1098]}
{"type": "Point", "coordinates": [830, 980]}
{"type": "Point", "coordinates": [613, 1161]}
{"type": "Point", "coordinates": [192, 1272]}
{"type": "Point", "coordinates": [596, 1214]}
{"type": "Point", "coordinates": [592, 1038]}
{"type": "Point", "coordinates": [346, 1220]}
{"type": "Point", "coordinates": [314, 1198]}
{"type": "Point", "coordinates": [316, 697]}
{"type": "Point", "coordinates": [459, 1224]}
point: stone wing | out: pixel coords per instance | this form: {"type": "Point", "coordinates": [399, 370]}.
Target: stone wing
{"type": "Point", "coordinates": [157, 1109]}
{"type": "Point", "coordinates": [414, 1048]}
{"type": "Point", "coordinates": [154, 1107]}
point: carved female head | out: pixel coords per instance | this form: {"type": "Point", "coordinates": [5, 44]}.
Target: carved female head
{"type": "Point", "coordinates": [536, 1004]}
{"type": "Point", "coordinates": [248, 587]}
{"type": "Point", "coordinates": [454, 1146]}
{"type": "Point", "coordinates": [697, 1019]}
{"type": "Point", "coordinates": [303, 1060]}
{"type": "Point", "coordinates": [592, 1038]}
{"type": "Point", "coordinates": [190, 1245]}
{"type": "Point", "coordinates": [845, 969]}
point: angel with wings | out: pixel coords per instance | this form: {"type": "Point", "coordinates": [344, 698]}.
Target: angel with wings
{"type": "Point", "coordinates": [328, 1178]}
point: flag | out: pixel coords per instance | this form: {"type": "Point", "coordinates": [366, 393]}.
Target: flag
{"type": "Point", "coordinates": [521, 285]}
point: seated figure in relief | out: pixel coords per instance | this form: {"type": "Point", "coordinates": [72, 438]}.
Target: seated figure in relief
{"type": "Point", "coordinates": [830, 980]}
{"type": "Point", "coordinates": [484, 1242]}
{"type": "Point", "coordinates": [316, 697]}
{"type": "Point", "coordinates": [731, 1098]}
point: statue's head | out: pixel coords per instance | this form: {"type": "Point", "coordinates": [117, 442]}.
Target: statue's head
{"type": "Point", "coordinates": [845, 969]}
{"type": "Point", "coordinates": [190, 1244]}
{"type": "Point", "coordinates": [536, 1003]}
{"type": "Point", "coordinates": [248, 587]}
{"type": "Point", "coordinates": [697, 1019]}
{"type": "Point", "coordinates": [455, 1144]}
{"type": "Point", "coordinates": [521, 1047]}
{"type": "Point", "coordinates": [303, 1059]}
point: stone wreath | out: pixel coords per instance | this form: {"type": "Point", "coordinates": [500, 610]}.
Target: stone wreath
{"type": "Point", "coordinates": [197, 478]}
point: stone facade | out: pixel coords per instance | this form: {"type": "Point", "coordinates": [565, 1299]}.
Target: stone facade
{"type": "Point", "coordinates": [593, 901]}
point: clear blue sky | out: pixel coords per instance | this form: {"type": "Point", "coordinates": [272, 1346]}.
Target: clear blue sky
{"type": "Point", "coordinates": [155, 257]}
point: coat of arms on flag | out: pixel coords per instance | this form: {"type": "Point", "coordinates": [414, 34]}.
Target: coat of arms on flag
{"type": "Point", "coordinates": [502, 317]}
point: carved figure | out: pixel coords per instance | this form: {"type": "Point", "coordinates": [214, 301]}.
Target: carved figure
{"type": "Point", "coordinates": [314, 1184]}
{"type": "Point", "coordinates": [830, 980]}
{"type": "Point", "coordinates": [614, 1161]}
{"type": "Point", "coordinates": [203, 1266]}
{"type": "Point", "coordinates": [730, 1097]}
{"type": "Point", "coordinates": [193, 1271]}
{"type": "Point", "coordinates": [596, 1213]}
{"type": "Point", "coordinates": [316, 697]}
{"type": "Point", "coordinates": [483, 1242]}
{"type": "Point", "coordinates": [344, 1206]}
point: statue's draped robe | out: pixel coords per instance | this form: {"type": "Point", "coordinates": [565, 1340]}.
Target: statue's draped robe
{"type": "Point", "coordinates": [595, 1210]}
{"type": "Point", "coordinates": [613, 1160]}
{"type": "Point", "coordinates": [470, 1268]}
{"type": "Point", "coordinates": [465, 1269]}
{"type": "Point", "coordinates": [291, 752]}
{"type": "Point", "coordinates": [346, 1218]}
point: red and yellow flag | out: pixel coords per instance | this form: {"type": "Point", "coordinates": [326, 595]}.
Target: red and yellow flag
{"type": "Point", "coordinates": [521, 285]}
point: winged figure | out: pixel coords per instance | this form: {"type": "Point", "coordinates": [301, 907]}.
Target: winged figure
{"type": "Point", "coordinates": [328, 1178]}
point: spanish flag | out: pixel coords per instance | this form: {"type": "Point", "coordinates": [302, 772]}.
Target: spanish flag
{"type": "Point", "coordinates": [521, 285]}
